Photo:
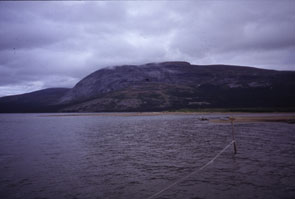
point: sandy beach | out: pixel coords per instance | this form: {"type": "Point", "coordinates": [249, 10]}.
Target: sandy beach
{"type": "Point", "coordinates": [253, 118]}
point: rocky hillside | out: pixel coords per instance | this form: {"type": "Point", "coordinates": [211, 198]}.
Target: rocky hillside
{"type": "Point", "coordinates": [177, 85]}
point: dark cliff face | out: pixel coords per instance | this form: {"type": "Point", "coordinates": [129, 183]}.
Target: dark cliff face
{"type": "Point", "coordinates": [178, 85]}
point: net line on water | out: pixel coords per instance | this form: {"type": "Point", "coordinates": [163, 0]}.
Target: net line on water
{"type": "Point", "coordinates": [192, 173]}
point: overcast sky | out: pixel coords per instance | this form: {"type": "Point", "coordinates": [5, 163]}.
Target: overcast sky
{"type": "Point", "coordinates": [55, 44]}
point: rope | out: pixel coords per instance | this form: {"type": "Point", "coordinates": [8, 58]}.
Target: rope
{"type": "Point", "coordinates": [192, 173]}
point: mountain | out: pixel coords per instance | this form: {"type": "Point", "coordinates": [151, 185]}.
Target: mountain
{"type": "Point", "coordinates": [39, 101]}
{"type": "Point", "coordinates": [170, 86]}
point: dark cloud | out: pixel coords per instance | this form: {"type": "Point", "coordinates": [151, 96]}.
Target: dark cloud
{"type": "Point", "coordinates": [54, 44]}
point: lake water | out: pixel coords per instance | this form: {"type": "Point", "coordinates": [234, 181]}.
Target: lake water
{"type": "Point", "coordinates": [120, 157]}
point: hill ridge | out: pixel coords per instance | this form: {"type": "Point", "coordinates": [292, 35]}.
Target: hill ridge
{"type": "Point", "coordinates": [170, 85]}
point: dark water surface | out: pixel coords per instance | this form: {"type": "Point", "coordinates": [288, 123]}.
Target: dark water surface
{"type": "Point", "coordinates": [136, 156]}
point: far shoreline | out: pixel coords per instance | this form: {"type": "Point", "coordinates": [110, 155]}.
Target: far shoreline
{"type": "Point", "coordinates": [237, 117]}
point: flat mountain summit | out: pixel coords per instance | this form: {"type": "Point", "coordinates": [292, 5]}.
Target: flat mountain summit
{"type": "Point", "coordinates": [165, 86]}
